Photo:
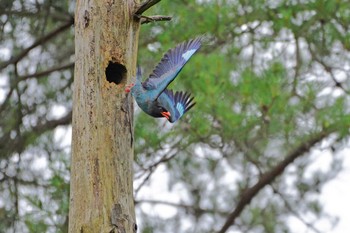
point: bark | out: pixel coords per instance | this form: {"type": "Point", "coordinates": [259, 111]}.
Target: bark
{"type": "Point", "coordinates": [101, 191]}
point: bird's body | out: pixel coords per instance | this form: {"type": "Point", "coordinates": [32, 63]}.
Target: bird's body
{"type": "Point", "coordinates": [153, 97]}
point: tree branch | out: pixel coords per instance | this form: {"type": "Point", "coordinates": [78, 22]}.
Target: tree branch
{"type": "Point", "coordinates": [294, 212]}
{"type": "Point", "coordinates": [46, 72]}
{"type": "Point", "coordinates": [55, 15]}
{"type": "Point", "coordinates": [327, 68]}
{"type": "Point", "coordinates": [187, 208]}
{"type": "Point", "coordinates": [51, 124]}
{"type": "Point", "coordinates": [152, 168]}
{"type": "Point", "coordinates": [154, 18]}
{"type": "Point", "coordinates": [270, 176]}
{"type": "Point", "coordinates": [9, 145]}
{"type": "Point", "coordinates": [145, 6]}
{"type": "Point", "coordinates": [38, 42]}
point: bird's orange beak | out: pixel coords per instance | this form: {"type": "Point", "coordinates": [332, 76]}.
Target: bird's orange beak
{"type": "Point", "coordinates": [166, 115]}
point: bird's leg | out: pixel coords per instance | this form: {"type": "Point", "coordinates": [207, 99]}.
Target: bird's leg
{"type": "Point", "coordinates": [128, 87]}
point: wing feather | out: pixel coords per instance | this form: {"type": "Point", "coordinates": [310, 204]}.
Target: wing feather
{"type": "Point", "coordinates": [171, 64]}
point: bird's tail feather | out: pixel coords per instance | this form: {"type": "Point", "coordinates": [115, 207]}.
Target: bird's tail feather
{"type": "Point", "coordinates": [183, 102]}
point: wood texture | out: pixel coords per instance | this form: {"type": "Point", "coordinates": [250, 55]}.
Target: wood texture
{"type": "Point", "coordinates": [101, 194]}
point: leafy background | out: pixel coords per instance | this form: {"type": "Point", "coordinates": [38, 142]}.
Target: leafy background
{"type": "Point", "coordinates": [271, 80]}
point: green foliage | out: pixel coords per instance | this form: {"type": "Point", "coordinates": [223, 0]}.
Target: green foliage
{"type": "Point", "coordinates": [34, 226]}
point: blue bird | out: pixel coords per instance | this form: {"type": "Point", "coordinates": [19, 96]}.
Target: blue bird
{"type": "Point", "coordinates": [153, 97]}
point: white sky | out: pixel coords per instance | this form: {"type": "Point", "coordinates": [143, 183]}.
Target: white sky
{"type": "Point", "coordinates": [336, 196]}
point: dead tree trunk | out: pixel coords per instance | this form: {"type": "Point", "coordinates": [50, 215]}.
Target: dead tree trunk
{"type": "Point", "coordinates": [101, 194]}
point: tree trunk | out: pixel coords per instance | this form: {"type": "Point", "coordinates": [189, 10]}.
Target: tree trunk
{"type": "Point", "coordinates": [101, 191]}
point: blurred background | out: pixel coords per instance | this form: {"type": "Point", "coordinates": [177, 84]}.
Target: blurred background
{"type": "Point", "coordinates": [271, 83]}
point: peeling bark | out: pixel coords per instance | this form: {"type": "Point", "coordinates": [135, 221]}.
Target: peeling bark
{"type": "Point", "coordinates": [101, 194]}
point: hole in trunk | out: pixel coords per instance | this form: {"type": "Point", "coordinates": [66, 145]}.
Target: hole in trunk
{"type": "Point", "coordinates": [115, 72]}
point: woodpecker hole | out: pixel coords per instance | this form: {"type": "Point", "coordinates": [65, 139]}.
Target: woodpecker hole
{"type": "Point", "coordinates": [115, 72]}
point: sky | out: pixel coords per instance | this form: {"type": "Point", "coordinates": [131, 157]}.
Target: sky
{"type": "Point", "coordinates": [335, 196]}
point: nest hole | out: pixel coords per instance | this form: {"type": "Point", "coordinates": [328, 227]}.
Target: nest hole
{"type": "Point", "coordinates": [115, 72]}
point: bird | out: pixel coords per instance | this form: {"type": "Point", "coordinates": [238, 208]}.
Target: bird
{"type": "Point", "coordinates": [152, 95]}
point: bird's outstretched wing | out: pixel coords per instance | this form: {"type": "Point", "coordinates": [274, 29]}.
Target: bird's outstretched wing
{"type": "Point", "coordinates": [176, 104]}
{"type": "Point", "coordinates": [170, 65]}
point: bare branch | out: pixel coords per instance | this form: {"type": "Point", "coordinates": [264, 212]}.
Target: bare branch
{"type": "Point", "coordinates": [55, 15]}
{"type": "Point", "coordinates": [160, 202]}
{"type": "Point", "coordinates": [6, 100]}
{"type": "Point", "coordinates": [148, 19]}
{"type": "Point", "coordinates": [46, 72]}
{"type": "Point", "coordinates": [294, 212]}
{"type": "Point", "coordinates": [270, 176]}
{"type": "Point", "coordinates": [145, 6]}
{"type": "Point", "coordinates": [188, 208]}
{"type": "Point", "coordinates": [17, 144]}
{"type": "Point", "coordinates": [51, 124]}
{"type": "Point", "coordinates": [38, 42]}
{"type": "Point", "coordinates": [154, 18]}
{"type": "Point", "coordinates": [152, 168]}
{"type": "Point", "coordinates": [3, 105]}
{"type": "Point", "coordinates": [328, 69]}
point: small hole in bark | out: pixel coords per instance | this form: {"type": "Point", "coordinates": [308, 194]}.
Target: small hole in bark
{"type": "Point", "coordinates": [115, 72]}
